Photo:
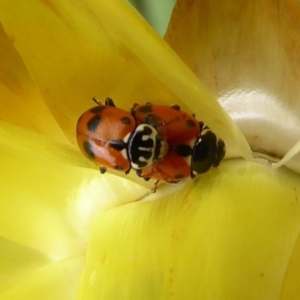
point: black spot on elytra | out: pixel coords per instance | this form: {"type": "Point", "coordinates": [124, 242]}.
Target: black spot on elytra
{"type": "Point", "coordinates": [126, 121]}
{"type": "Point", "coordinates": [183, 150]}
{"type": "Point", "coordinates": [97, 109]}
{"type": "Point", "coordinates": [145, 108]}
{"type": "Point", "coordinates": [87, 146]}
{"type": "Point", "coordinates": [179, 176]}
{"type": "Point", "coordinates": [93, 123]}
{"type": "Point", "coordinates": [190, 123]}
{"type": "Point", "coordinates": [118, 144]}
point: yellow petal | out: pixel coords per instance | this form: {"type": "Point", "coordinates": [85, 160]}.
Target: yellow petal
{"type": "Point", "coordinates": [73, 58]}
{"type": "Point", "coordinates": [47, 202]}
{"type": "Point", "coordinates": [53, 281]}
{"type": "Point", "coordinates": [75, 51]}
{"type": "Point", "coordinates": [20, 101]}
{"type": "Point", "coordinates": [247, 54]}
{"type": "Point", "coordinates": [16, 262]}
{"type": "Point", "coordinates": [235, 229]}
{"type": "Point", "coordinates": [39, 146]}
{"type": "Point", "coordinates": [290, 288]}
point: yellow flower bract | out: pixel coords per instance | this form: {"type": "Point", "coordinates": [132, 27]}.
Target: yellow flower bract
{"type": "Point", "coordinates": [227, 235]}
{"type": "Point", "coordinates": [230, 234]}
{"type": "Point", "coordinates": [72, 38]}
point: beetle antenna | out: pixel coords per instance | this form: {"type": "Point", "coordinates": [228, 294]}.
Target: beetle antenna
{"type": "Point", "coordinates": [96, 101]}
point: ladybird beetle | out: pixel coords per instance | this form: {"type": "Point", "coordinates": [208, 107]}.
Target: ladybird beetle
{"type": "Point", "coordinates": [176, 126]}
{"type": "Point", "coordinates": [111, 138]}
{"type": "Point", "coordinates": [192, 147]}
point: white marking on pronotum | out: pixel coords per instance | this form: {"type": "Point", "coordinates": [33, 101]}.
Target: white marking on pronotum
{"type": "Point", "coordinates": [146, 137]}
{"type": "Point", "coordinates": [145, 149]}
{"type": "Point", "coordinates": [135, 166]}
{"type": "Point", "coordinates": [124, 153]}
{"type": "Point", "coordinates": [144, 129]}
{"type": "Point", "coordinates": [126, 138]}
{"type": "Point", "coordinates": [142, 158]}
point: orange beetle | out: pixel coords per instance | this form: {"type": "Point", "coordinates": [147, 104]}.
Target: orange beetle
{"type": "Point", "coordinates": [192, 147]}
{"type": "Point", "coordinates": [111, 137]}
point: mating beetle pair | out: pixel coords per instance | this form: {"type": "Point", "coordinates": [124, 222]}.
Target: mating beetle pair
{"type": "Point", "coordinates": [159, 142]}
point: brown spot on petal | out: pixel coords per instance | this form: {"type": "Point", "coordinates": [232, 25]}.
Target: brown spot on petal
{"type": "Point", "coordinates": [103, 259]}
{"type": "Point", "coordinates": [12, 39]}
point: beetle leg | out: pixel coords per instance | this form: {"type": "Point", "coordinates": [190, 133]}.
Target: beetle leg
{"type": "Point", "coordinates": [176, 106]}
{"type": "Point", "coordinates": [109, 102]}
{"type": "Point", "coordinates": [102, 170]}
{"type": "Point", "coordinates": [132, 110]}
{"type": "Point", "coordinates": [127, 172]}
{"type": "Point", "coordinates": [155, 186]}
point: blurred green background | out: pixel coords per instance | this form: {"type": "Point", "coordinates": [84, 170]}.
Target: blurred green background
{"type": "Point", "coordinates": [156, 12]}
